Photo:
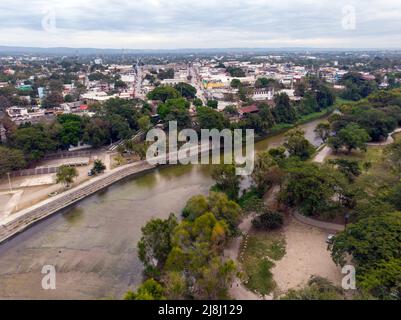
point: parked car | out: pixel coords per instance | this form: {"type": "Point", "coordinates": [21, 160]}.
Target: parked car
{"type": "Point", "coordinates": [330, 238]}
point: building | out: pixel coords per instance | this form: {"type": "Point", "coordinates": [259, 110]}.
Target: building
{"type": "Point", "coordinates": [244, 111]}
{"type": "Point", "coordinates": [262, 95]}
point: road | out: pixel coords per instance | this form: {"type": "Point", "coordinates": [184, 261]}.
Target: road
{"type": "Point", "coordinates": [196, 82]}
{"type": "Point", "coordinates": [138, 84]}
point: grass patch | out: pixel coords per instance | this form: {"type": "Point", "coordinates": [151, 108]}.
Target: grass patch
{"type": "Point", "coordinates": [262, 249]}
{"type": "Point", "coordinates": [373, 154]}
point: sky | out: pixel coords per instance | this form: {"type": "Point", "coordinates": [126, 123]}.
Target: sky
{"type": "Point", "coordinates": [175, 24]}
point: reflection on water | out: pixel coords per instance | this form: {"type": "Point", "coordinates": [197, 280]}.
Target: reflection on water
{"type": "Point", "coordinates": [93, 244]}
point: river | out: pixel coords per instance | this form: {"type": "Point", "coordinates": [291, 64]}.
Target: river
{"type": "Point", "coordinates": [93, 244]}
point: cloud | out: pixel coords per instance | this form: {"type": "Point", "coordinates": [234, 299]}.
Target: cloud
{"type": "Point", "coordinates": [199, 24]}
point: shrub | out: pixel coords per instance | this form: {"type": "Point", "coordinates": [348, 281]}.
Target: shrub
{"type": "Point", "coordinates": [269, 220]}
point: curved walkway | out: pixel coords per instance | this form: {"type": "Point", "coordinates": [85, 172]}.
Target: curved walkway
{"type": "Point", "coordinates": [322, 155]}
{"type": "Point", "coordinates": [318, 224]}
{"type": "Point", "coordinates": [390, 139]}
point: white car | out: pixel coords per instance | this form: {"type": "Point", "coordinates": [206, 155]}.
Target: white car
{"type": "Point", "coordinates": [330, 238]}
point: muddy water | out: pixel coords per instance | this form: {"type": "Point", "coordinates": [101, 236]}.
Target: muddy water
{"type": "Point", "coordinates": [93, 244]}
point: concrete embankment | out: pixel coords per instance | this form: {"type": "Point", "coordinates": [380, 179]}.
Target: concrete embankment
{"type": "Point", "coordinates": [20, 221]}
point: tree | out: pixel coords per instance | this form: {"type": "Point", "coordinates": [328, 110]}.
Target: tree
{"type": "Point", "coordinates": [33, 141]}
{"type": "Point", "coordinates": [219, 204]}
{"type": "Point", "coordinates": [98, 167]}
{"type": "Point", "coordinates": [383, 280]}
{"type": "Point", "coordinates": [198, 102]}
{"type": "Point", "coordinates": [4, 103]}
{"type": "Point", "coordinates": [284, 111]}
{"type": "Point", "coordinates": [231, 110]}
{"type": "Point", "coordinates": [10, 159]}
{"type": "Point", "coordinates": [53, 100]}
{"type": "Point", "coordinates": [175, 285]}
{"type": "Point", "coordinates": [227, 180]}
{"type": "Point", "coordinates": [266, 172]}
{"type": "Point", "coordinates": [124, 109]}
{"type": "Point", "coordinates": [140, 150]}
{"type": "Point", "coordinates": [236, 72]}
{"type": "Point", "coordinates": [267, 83]}
{"type": "Point", "coordinates": [68, 98]}
{"type": "Point", "coordinates": [186, 90]}
{"type": "Point", "coordinates": [187, 256]}
{"type": "Point", "coordinates": [323, 131]}
{"type": "Point", "coordinates": [235, 83]}
{"type": "Point", "coordinates": [350, 137]}
{"type": "Point", "coordinates": [118, 127]}
{"type": "Point", "coordinates": [268, 220]}
{"type": "Point", "coordinates": [155, 244]}
{"type": "Point", "coordinates": [71, 133]}
{"type": "Point", "coordinates": [144, 123]}
{"type": "Point", "coordinates": [266, 115]}
{"type": "Point", "coordinates": [393, 157]}
{"type": "Point", "coordinates": [213, 104]}
{"type": "Point", "coordinates": [149, 290]}
{"type": "Point", "coordinates": [350, 168]}
{"type": "Point", "coordinates": [215, 279]}
{"type": "Point", "coordinates": [211, 119]}
{"type": "Point", "coordinates": [310, 188]}
{"type": "Point", "coordinates": [374, 244]}
{"type": "Point", "coordinates": [297, 145]}
{"type": "Point", "coordinates": [278, 154]}
{"type": "Point", "coordinates": [66, 175]}
{"type": "Point", "coordinates": [96, 132]}
{"type": "Point", "coordinates": [166, 74]}
{"type": "Point", "coordinates": [119, 84]}
{"type": "Point", "coordinates": [176, 110]}
{"type": "Point", "coordinates": [163, 94]}
{"type": "Point", "coordinates": [195, 207]}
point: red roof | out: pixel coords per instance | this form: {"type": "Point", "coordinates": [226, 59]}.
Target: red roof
{"type": "Point", "coordinates": [249, 109]}
{"type": "Point", "coordinates": [83, 107]}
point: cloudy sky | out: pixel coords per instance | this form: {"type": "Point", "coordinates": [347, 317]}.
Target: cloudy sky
{"type": "Point", "coordinates": [170, 24]}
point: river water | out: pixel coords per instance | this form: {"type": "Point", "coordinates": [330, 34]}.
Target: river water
{"type": "Point", "coordinates": [93, 244]}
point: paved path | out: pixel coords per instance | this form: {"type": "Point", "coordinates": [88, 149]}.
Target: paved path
{"type": "Point", "coordinates": [390, 139]}
{"type": "Point", "coordinates": [322, 155]}
{"type": "Point", "coordinates": [11, 204]}
{"type": "Point", "coordinates": [317, 223]}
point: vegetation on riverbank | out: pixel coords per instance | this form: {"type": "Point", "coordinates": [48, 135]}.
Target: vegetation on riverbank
{"type": "Point", "coordinates": [183, 260]}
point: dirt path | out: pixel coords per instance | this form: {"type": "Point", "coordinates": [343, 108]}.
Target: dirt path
{"type": "Point", "coordinates": [306, 255]}
{"type": "Point", "coordinates": [237, 290]}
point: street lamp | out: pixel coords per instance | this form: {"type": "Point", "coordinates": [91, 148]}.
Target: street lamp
{"type": "Point", "coordinates": [9, 182]}
{"type": "Point", "coordinates": [346, 220]}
